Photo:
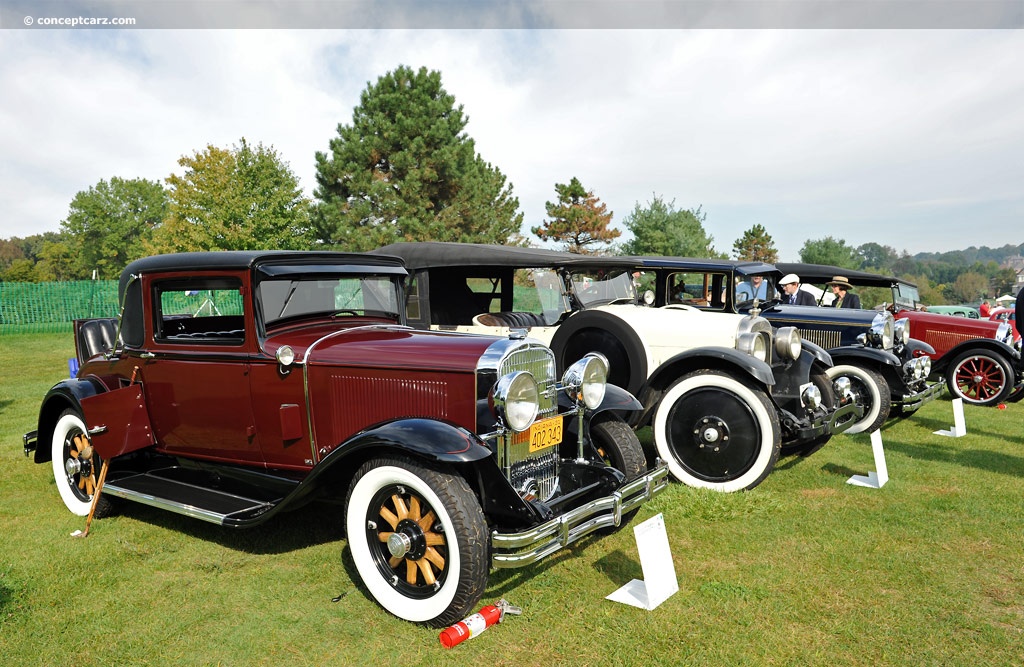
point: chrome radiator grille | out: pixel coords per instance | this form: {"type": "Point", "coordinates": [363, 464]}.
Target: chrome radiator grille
{"type": "Point", "coordinates": [826, 339]}
{"type": "Point", "coordinates": [531, 473]}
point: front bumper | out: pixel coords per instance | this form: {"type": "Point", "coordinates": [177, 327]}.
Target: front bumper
{"type": "Point", "coordinates": [912, 401]}
{"type": "Point", "coordinates": [511, 550]}
{"type": "Point", "coordinates": [29, 440]}
{"type": "Point", "coordinates": [798, 431]}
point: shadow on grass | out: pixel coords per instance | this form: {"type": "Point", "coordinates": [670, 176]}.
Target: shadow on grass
{"type": "Point", "coordinates": [314, 524]}
{"type": "Point", "coordinates": [980, 459]}
{"type": "Point", "coordinates": [4, 405]}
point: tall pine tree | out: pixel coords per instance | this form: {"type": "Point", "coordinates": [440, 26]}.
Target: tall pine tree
{"type": "Point", "coordinates": [404, 170]}
{"type": "Point", "coordinates": [578, 219]}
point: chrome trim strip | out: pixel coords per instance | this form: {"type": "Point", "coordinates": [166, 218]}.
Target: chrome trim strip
{"type": "Point", "coordinates": [526, 547]}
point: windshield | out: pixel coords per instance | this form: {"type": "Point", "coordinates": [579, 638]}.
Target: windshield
{"type": "Point", "coordinates": [343, 295]}
{"type": "Point", "coordinates": [905, 296]}
{"type": "Point", "coordinates": [594, 288]}
{"type": "Point", "coordinates": [755, 287]}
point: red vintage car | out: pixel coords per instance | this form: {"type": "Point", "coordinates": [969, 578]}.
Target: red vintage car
{"type": "Point", "coordinates": [979, 358]}
{"type": "Point", "coordinates": [238, 385]}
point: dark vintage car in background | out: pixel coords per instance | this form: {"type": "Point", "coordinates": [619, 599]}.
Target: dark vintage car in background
{"type": "Point", "coordinates": [238, 385]}
{"type": "Point", "coordinates": [884, 374]}
{"type": "Point", "coordinates": [721, 393]}
{"type": "Point", "coordinates": [978, 358]}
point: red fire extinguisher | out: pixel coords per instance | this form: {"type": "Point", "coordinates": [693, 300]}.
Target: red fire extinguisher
{"type": "Point", "coordinates": [471, 626]}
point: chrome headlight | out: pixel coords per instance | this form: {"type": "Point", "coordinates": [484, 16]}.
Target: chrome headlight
{"type": "Point", "coordinates": [516, 400]}
{"type": "Point", "coordinates": [912, 370]}
{"type": "Point", "coordinates": [881, 333]}
{"type": "Point", "coordinates": [1004, 333]}
{"type": "Point", "coordinates": [788, 343]}
{"type": "Point", "coordinates": [810, 396]}
{"type": "Point", "coordinates": [926, 366]}
{"type": "Point", "coordinates": [752, 343]}
{"type": "Point", "coordinates": [843, 389]}
{"type": "Point", "coordinates": [902, 330]}
{"type": "Point", "coordinates": [586, 379]}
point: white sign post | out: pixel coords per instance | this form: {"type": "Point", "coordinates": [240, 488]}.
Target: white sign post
{"type": "Point", "coordinates": [959, 425]}
{"type": "Point", "coordinates": [660, 581]}
{"type": "Point", "coordinates": [874, 480]}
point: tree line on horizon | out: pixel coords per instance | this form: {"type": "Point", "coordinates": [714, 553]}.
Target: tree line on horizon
{"type": "Point", "coordinates": [404, 169]}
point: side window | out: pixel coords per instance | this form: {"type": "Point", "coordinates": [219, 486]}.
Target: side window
{"type": "Point", "coordinates": [199, 310]}
{"type": "Point", "coordinates": [701, 290]}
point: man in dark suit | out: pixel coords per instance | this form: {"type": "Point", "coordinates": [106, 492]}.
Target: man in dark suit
{"type": "Point", "coordinates": [841, 289]}
{"type": "Point", "coordinates": [792, 294]}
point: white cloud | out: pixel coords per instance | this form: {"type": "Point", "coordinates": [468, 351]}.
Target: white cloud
{"type": "Point", "coordinates": [908, 138]}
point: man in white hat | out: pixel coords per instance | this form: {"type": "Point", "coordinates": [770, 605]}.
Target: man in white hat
{"type": "Point", "coordinates": [793, 294]}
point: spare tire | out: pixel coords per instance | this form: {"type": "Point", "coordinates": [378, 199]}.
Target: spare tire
{"type": "Point", "coordinates": [596, 331]}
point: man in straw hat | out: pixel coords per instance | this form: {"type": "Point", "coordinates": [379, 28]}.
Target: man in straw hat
{"type": "Point", "coordinates": [793, 294]}
{"type": "Point", "coordinates": [841, 289]}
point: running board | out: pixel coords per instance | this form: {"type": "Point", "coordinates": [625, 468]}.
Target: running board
{"type": "Point", "coordinates": [183, 498]}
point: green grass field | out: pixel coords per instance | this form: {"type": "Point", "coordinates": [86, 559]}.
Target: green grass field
{"type": "Point", "coordinates": [804, 570]}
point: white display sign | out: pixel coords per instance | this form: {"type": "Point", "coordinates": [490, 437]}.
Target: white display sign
{"type": "Point", "coordinates": [874, 480]}
{"type": "Point", "coordinates": [660, 581]}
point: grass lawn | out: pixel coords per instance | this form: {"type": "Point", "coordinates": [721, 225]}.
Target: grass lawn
{"type": "Point", "coordinates": [804, 570]}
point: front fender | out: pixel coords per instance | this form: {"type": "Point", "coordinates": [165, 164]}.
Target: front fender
{"type": "Point", "coordinates": [919, 348]}
{"type": "Point", "coordinates": [61, 396]}
{"type": "Point", "coordinates": [819, 353]}
{"type": "Point", "coordinates": [989, 345]}
{"type": "Point", "coordinates": [711, 357]}
{"type": "Point", "coordinates": [615, 398]}
{"type": "Point", "coordinates": [427, 438]}
{"type": "Point", "coordinates": [857, 355]}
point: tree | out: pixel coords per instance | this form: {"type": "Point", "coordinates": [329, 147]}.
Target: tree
{"type": "Point", "coordinates": [245, 198]}
{"type": "Point", "coordinates": [21, 271]}
{"type": "Point", "coordinates": [662, 229]}
{"type": "Point", "coordinates": [404, 170]}
{"type": "Point", "coordinates": [108, 226]}
{"type": "Point", "coordinates": [578, 219]}
{"type": "Point", "coordinates": [875, 256]}
{"type": "Point", "coordinates": [756, 245]}
{"type": "Point", "coordinates": [969, 287]}
{"type": "Point", "coordinates": [829, 251]}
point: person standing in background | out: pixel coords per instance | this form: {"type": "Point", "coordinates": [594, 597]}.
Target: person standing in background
{"type": "Point", "coordinates": [841, 289]}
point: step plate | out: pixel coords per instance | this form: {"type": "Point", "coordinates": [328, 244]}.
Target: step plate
{"type": "Point", "coordinates": [182, 498]}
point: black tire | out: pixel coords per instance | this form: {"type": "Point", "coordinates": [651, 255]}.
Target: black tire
{"type": "Point", "coordinates": [871, 391]}
{"type": "Point", "coordinates": [418, 540]}
{"type": "Point", "coordinates": [717, 432]}
{"type": "Point", "coordinates": [76, 466]}
{"type": "Point", "coordinates": [617, 445]}
{"type": "Point", "coordinates": [980, 378]}
{"type": "Point", "coordinates": [1015, 395]}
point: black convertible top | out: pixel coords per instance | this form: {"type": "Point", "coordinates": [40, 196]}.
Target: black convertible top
{"type": "Point", "coordinates": [429, 254]}
{"type": "Point", "coordinates": [245, 259]}
{"type": "Point", "coordinates": [822, 273]}
{"type": "Point", "coordinates": [695, 263]}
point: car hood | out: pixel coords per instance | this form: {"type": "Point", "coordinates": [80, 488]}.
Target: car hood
{"type": "Point", "coordinates": [940, 322]}
{"type": "Point", "coordinates": [385, 345]}
{"type": "Point", "coordinates": [674, 328]}
{"type": "Point", "coordinates": [803, 315]}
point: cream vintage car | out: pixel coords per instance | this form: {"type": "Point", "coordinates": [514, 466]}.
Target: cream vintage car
{"type": "Point", "coordinates": [722, 392]}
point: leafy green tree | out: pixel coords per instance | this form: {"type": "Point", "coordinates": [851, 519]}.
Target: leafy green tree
{"type": "Point", "coordinates": [21, 271]}
{"type": "Point", "coordinates": [662, 229]}
{"type": "Point", "coordinates": [875, 256]}
{"type": "Point", "coordinates": [10, 250]}
{"type": "Point", "coordinates": [578, 219]}
{"type": "Point", "coordinates": [756, 245]}
{"type": "Point", "coordinates": [245, 198]}
{"type": "Point", "coordinates": [59, 260]}
{"type": "Point", "coordinates": [404, 170]}
{"type": "Point", "coordinates": [1003, 282]}
{"type": "Point", "coordinates": [969, 287]}
{"type": "Point", "coordinates": [108, 226]}
{"type": "Point", "coordinates": [829, 251]}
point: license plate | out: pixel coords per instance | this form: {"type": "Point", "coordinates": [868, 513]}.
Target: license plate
{"type": "Point", "coordinates": [545, 433]}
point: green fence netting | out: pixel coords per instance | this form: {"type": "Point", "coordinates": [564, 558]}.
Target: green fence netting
{"type": "Point", "coordinates": [51, 307]}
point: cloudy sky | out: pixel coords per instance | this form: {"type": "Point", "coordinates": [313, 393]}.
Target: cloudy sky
{"type": "Point", "coordinates": [910, 138]}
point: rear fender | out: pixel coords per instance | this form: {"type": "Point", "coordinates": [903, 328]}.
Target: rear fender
{"type": "Point", "coordinates": [63, 395]}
